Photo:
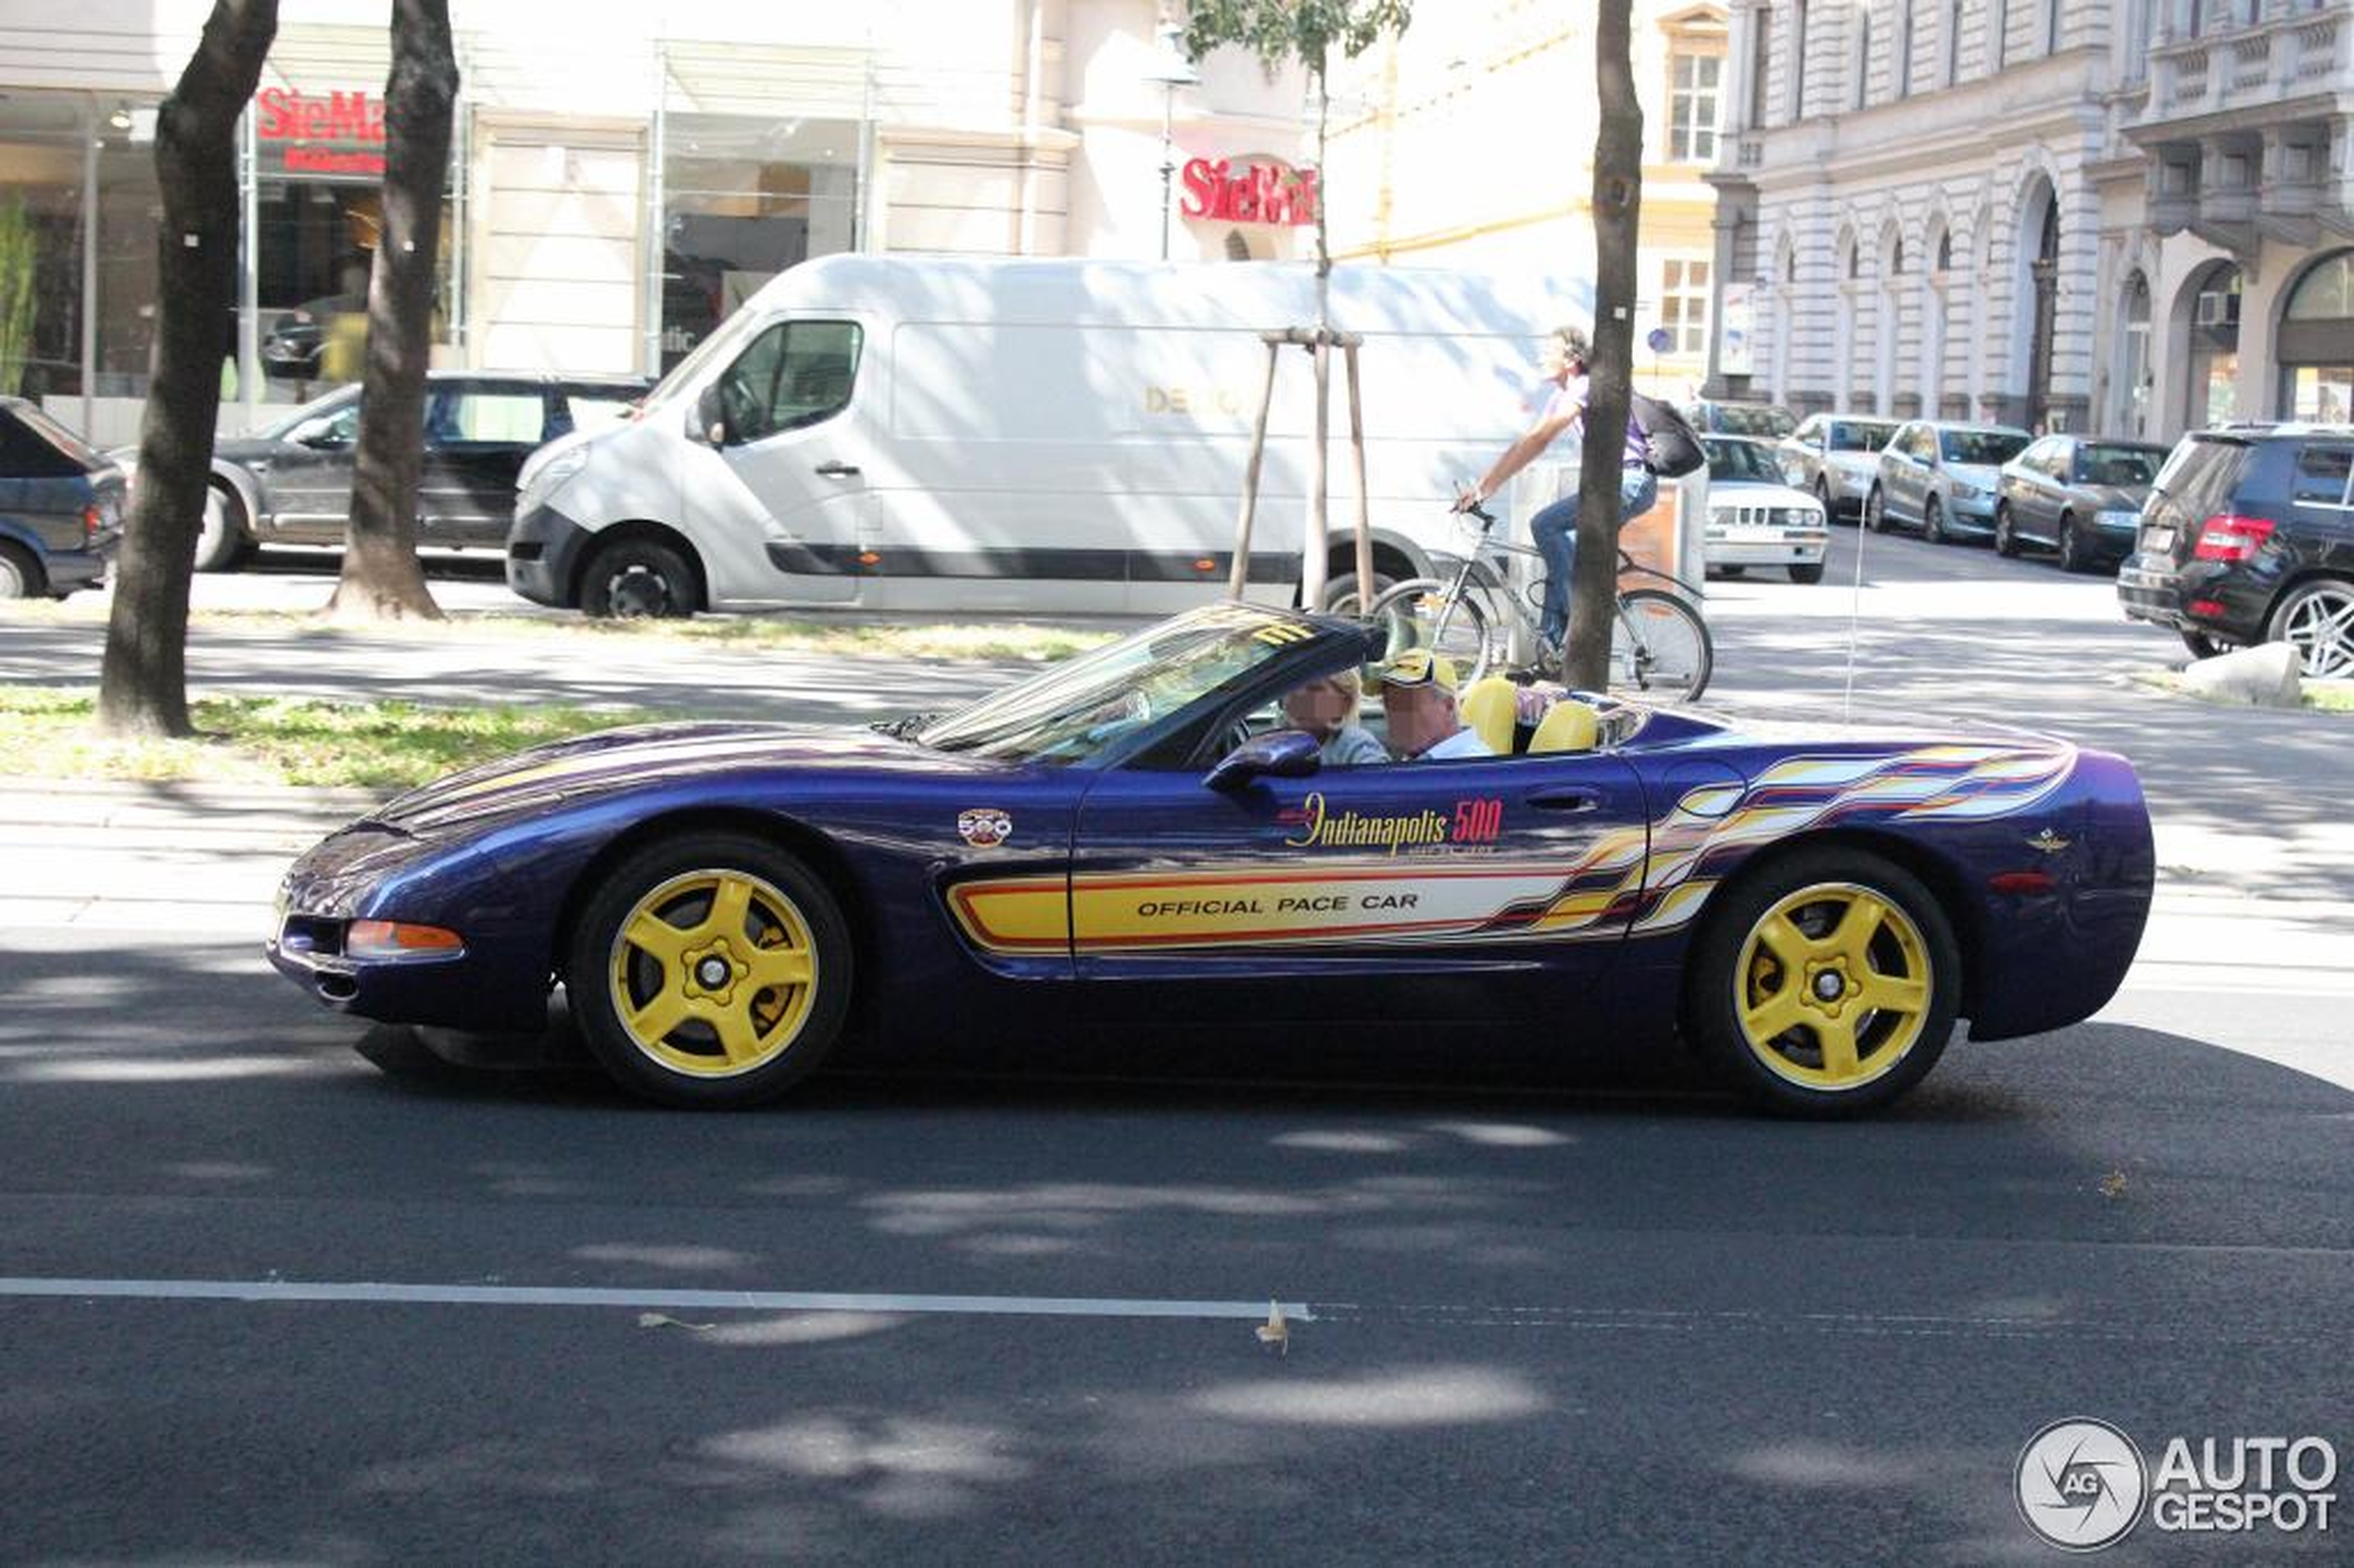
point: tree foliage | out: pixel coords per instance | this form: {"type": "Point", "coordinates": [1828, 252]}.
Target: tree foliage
{"type": "Point", "coordinates": [1280, 30]}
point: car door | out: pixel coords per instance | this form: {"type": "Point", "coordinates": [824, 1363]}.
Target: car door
{"type": "Point", "coordinates": [306, 482]}
{"type": "Point", "coordinates": [1902, 476]}
{"type": "Point", "coordinates": [1484, 888]}
{"type": "Point", "coordinates": [476, 436]}
{"type": "Point", "coordinates": [2026, 485]}
{"type": "Point", "coordinates": [792, 471]}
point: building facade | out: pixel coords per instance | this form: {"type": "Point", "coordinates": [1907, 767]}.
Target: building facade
{"type": "Point", "coordinates": [622, 177]}
{"type": "Point", "coordinates": [1469, 142]}
{"type": "Point", "coordinates": [2125, 215]}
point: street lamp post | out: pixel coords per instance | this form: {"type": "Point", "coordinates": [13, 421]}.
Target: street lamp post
{"type": "Point", "coordinates": [1173, 71]}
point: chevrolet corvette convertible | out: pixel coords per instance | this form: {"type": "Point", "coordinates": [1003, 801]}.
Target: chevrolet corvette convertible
{"type": "Point", "coordinates": [1134, 836]}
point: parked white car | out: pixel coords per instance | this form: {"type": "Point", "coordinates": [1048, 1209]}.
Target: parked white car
{"type": "Point", "coordinates": [1836, 456]}
{"type": "Point", "coordinates": [1756, 519]}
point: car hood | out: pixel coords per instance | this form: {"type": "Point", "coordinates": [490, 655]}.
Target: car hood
{"type": "Point", "coordinates": [642, 756]}
{"type": "Point", "coordinates": [1738, 492]}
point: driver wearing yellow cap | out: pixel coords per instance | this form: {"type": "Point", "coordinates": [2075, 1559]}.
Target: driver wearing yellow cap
{"type": "Point", "coordinates": [1417, 691]}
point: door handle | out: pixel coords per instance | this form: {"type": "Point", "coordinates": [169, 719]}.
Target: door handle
{"type": "Point", "coordinates": [1567, 797]}
{"type": "Point", "coordinates": [833, 470]}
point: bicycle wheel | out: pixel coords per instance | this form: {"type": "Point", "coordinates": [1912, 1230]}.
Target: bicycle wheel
{"type": "Point", "coordinates": [1410, 617]}
{"type": "Point", "coordinates": [1660, 648]}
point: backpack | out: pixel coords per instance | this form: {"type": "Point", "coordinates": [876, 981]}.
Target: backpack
{"type": "Point", "coordinates": [1673, 447]}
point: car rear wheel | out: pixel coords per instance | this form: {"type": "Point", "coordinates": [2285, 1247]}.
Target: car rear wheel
{"type": "Point", "coordinates": [711, 970]}
{"type": "Point", "coordinates": [2073, 556]}
{"type": "Point", "coordinates": [2006, 539]}
{"type": "Point", "coordinates": [1827, 985]}
{"type": "Point", "coordinates": [2201, 645]}
{"type": "Point", "coordinates": [637, 579]}
{"type": "Point", "coordinates": [21, 575]}
{"type": "Point", "coordinates": [223, 537]}
{"type": "Point", "coordinates": [1933, 522]}
{"type": "Point", "coordinates": [1875, 511]}
{"type": "Point", "coordinates": [2317, 619]}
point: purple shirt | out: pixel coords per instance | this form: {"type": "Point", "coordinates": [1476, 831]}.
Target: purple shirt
{"type": "Point", "coordinates": [1570, 403]}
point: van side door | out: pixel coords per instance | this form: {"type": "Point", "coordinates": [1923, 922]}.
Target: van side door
{"type": "Point", "coordinates": [776, 491]}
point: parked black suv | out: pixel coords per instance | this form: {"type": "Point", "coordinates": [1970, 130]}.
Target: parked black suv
{"type": "Point", "coordinates": [2249, 536]}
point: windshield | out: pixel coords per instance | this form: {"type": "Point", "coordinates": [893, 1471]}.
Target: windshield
{"type": "Point", "coordinates": [1860, 436]}
{"type": "Point", "coordinates": [1740, 421]}
{"type": "Point", "coordinates": [1982, 446]}
{"type": "Point", "coordinates": [1078, 709]}
{"type": "Point", "coordinates": [1741, 463]}
{"type": "Point", "coordinates": [2122, 466]}
{"type": "Point", "coordinates": [332, 402]}
{"type": "Point", "coordinates": [729, 336]}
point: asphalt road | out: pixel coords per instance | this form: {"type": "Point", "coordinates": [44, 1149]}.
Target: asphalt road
{"type": "Point", "coordinates": [933, 1312]}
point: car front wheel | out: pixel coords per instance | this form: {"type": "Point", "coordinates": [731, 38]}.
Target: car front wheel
{"type": "Point", "coordinates": [2317, 619]}
{"type": "Point", "coordinates": [638, 579]}
{"type": "Point", "coordinates": [1826, 984]}
{"type": "Point", "coordinates": [2006, 538]}
{"type": "Point", "coordinates": [2073, 556]}
{"type": "Point", "coordinates": [710, 970]}
{"type": "Point", "coordinates": [1933, 522]}
{"type": "Point", "coordinates": [1875, 511]}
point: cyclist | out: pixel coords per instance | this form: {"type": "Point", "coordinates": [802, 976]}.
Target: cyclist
{"type": "Point", "coordinates": [1555, 527]}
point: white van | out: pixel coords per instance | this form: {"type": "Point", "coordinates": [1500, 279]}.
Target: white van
{"type": "Point", "coordinates": [948, 434]}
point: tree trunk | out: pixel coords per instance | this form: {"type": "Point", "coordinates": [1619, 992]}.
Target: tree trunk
{"type": "Point", "coordinates": [143, 685]}
{"type": "Point", "coordinates": [381, 577]}
{"type": "Point", "coordinates": [1618, 198]}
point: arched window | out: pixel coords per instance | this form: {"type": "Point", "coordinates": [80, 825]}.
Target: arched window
{"type": "Point", "coordinates": [2317, 343]}
{"type": "Point", "coordinates": [1945, 251]}
{"type": "Point", "coordinates": [2213, 362]}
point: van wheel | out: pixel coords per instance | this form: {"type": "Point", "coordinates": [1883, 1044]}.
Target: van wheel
{"type": "Point", "coordinates": [21, 575]}
{"type": "Point", "coordinates": [1341, 597]}
{"type": "Point", "coordinates": [638, 579]}
{"type": "Point", "coordinates": [222, 538]}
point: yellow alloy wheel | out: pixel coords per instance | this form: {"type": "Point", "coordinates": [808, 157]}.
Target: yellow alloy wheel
{"type": "Point", "coordinates": [713, 973]}
{"type": "Point", "coordinates": [1833, 986]}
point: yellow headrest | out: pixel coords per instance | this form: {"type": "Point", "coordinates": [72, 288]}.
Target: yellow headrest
{"type": "Point", "coordinates": [1568, 726]}
{"type": "Point", "coordinates": [1488, 707]}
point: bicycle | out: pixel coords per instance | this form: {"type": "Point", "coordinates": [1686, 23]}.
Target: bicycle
{"type": "Point", "coordinates": [1659, 647]}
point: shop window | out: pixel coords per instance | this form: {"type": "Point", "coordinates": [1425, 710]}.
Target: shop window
{"type": "Point", "coordinates": [795, 374]}
{"type": "Point", "coordinates": [743, 199]}
{"type": "Point", "coordinates": [42, 143]}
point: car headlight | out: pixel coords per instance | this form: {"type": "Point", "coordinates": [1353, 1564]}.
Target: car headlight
{"type": "Point", "coordinates": [1965, 490]}
{"type": "Point", "coordinates": [545, 471]}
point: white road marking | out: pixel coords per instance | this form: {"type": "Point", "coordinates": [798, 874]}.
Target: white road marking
{"type": "Point", "coordinates": [693, 1300]}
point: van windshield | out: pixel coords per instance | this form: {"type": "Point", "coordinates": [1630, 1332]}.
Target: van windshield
{"type": "Point", "coordinates": [721, 343]}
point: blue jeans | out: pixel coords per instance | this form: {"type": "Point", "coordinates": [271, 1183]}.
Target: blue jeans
{"type": "Point", "coordinates": [1555, 530]}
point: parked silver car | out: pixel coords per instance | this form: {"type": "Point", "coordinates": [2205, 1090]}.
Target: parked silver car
{"type": "Point", "coordinates": [1836, 456]}
{"type": "Point", "coordinates": [1940, 478]}
{"type": "Point", "coordinates": [2078, 496]}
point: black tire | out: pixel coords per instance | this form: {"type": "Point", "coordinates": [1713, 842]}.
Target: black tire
{"type": "Point", "coordinates": [1739, 983]}
{"type": "Point", "coordinates": [20, 575]}
{"type": "Point", "coordinates": [1823, 494]}
{"type": "Point", "coordinates": [1875, 511]}
{"type": "Point", "coordinates": [1660, 648]}
{"type": "Point", "coordinates": [1410, 611]}
{"type": "Point", "coordinates": [2073, 557]}
{"type": "Point", "coordinates": [2005, 526]}
{"type": "Point", "coordinates": [2201, 645]}
{"type": "Point", "coordinates": [2317, 619]}
{"type": "Point", "coordinates": [1806, 572]}
{"type": "Point", "coordinates": [1732, 571]}
{"type": "Point", "coordinates": [1340, 593]}
{"type": "Point", "coordinates": [779, 1032]}
{"type": "Point", "coordinates": [630, 579]}
{"type": "Point", "coordinates": [225, 537]}
{"type": "Point", "coordinates": [1933, 522]}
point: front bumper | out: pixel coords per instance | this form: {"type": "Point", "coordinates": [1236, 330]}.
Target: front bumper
{"type": "Point", "coordinates": [1969, 515]}
{"type": "Point", "coordinates": [544, 550]}
{"type": "Point", "coordinates": [1796, 550]}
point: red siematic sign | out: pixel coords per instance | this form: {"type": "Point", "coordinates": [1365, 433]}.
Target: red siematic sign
{"type": "Point", "coordinates": [353, 123]}
{"type": "Point", "coordinates": [1258, 193]}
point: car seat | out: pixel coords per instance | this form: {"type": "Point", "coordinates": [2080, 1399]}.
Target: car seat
{"type": "Point", "coordinates": [1568, 726]}
{"type": "Point", "coordinates": [1489, 706]}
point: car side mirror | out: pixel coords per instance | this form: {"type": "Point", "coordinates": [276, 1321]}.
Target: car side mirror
{"type": "Point", "coordinates": [1279, 753]}
{"type": "Point", "coordinates": [319, 431]}
{"type": "Point", "coordinates": [710, 420]}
